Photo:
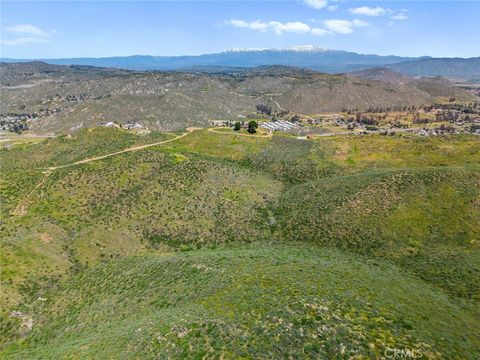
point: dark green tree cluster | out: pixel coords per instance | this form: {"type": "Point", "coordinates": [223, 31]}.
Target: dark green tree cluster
{"type": "Point", "coordinates": [252, 127]}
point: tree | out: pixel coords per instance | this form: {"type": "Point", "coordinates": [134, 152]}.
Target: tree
{"type": "Point", "coordinates": [358, 117]}
{"type": "Point", "coordinates": [264, 109]}
{"type": "Point", "coordinates": [295, 119]}
{"type": "Point", "coordinates": [17, 128]}
{"type": "Point", "coordinates": [237, 126]}
{"type": "Point", "coordinates": [252, 127]}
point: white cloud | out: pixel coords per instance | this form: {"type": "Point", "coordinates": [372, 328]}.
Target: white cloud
{"type": "Point", "coordinates": [27, 35]}
{"type": "Point", "coordinates": [320, 32]}
{"type": "Point", "coordinates": [339, 26]}
{"type": "Point", "coordinates": [360, 23]}
{"type": "Point", "coordinates": [23, 41]}
{"type": "Point", "coordinates": [400, 16]}
{"type": "Point", "coordinates": [254, 25]}
{"type": "Point", "coordinates": [344, 26]}
{"type": "Point", "coordinates": [368, 11]}
{"type": "Point", "coordinates": [294, 27]}
{"type": "Point", "coordinates": [332, 8]}
{"type": "Point", "coordinates": [277, 27]}
{"type": "Point", "coordinates": [316, 4]}
{"type": "Point", "coordinates": [26, 29]}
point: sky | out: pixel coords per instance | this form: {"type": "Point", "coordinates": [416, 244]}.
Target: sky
{"type": "Point", "coordinates": [65, 29]}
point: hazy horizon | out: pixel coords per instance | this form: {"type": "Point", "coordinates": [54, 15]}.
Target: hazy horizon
{"type": "Point", "coordinates": [291, 48]}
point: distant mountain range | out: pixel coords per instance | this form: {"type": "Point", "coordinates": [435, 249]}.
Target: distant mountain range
{"type": "Point", "coordinates": [382, 74]}
{"type": "Point", "coordinates": [311, 57]}
{"type": "Point", "coordinates": [435, 86]}
{"type": "Point", "coordinates": [446, 67]}
{"type": "Point", "coordinates": [68, 97]}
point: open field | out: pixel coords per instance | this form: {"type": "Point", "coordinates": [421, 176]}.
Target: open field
{"type": "Point", "coordinates": [11, 140]}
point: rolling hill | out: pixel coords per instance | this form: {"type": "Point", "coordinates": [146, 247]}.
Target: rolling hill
{"type": "Point", "coordinates": [454, 68]}
{"type": "Point", "coordinates": [267, 301]}
{"type": "Point", "coordinates": [62, 99]}
{"type": "Point", "coordinates": [225, 243]}
{"type": "Point", "coordinates": [382, 74]}
{"type": "Point", "coordinates": [205, 242]}
{"type": "Point", "coordinates": [26, 73]}
{"type": "Point", "coordinates": [435, 86]}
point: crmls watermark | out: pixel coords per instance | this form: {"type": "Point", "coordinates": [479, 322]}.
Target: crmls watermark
{"type": "Point", "coordinates": [402, 353]}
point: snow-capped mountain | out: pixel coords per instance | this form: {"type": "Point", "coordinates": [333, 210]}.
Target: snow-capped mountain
{"type": "Point", "coordinates": [307, 48]}
{"type": "Point", "coordinates": [306, 56]}
{"type": "Point", "coordinates": [298, 48]}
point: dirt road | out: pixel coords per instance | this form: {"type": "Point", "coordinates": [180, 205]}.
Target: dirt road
{"type": "Point", "coordinates": [134, 148]}
{"type": "Point", "coordinates": [22, 207]}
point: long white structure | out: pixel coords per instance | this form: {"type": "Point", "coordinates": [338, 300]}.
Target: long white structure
{"type": "Point", "coordinates": [280, 125]}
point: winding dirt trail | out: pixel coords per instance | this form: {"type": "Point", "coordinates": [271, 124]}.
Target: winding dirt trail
{"type": "Point", "coordinates": [134, 148]}
{"type": "Point", "coordinates": [22, 206]}
{"type": "Point", "coordinates": [141, 147]}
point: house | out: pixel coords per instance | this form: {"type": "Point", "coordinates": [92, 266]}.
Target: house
{"type": "Point", "coordinates": [110, 124]}
{"type": "Point", "coordinates": [221, 123]}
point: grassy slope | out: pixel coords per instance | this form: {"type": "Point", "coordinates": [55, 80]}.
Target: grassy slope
{"type": "Point", "coordinates": [363, 194]}
{"type": "Point", "coordinates": [260, 301]}
{"type": "Point", "coordinates": [424, 219]}
{"type": "Point", "coordinates": [23, 165]}
{"type": "Point", "coordinates": [149, 200]}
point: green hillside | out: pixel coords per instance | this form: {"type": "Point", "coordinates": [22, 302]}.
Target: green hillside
{"type": "Point", "coordinates": [267, 301]}
{"type": "Point", "coordinates": [425, 220]}
{"type": "Point", "coordinates": [149, 200]}
{"type": "Point", "coordinates": [356, 244]}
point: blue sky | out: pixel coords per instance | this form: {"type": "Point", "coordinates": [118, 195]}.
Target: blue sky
{"type": "Point", "coordinates": [56, 29]}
